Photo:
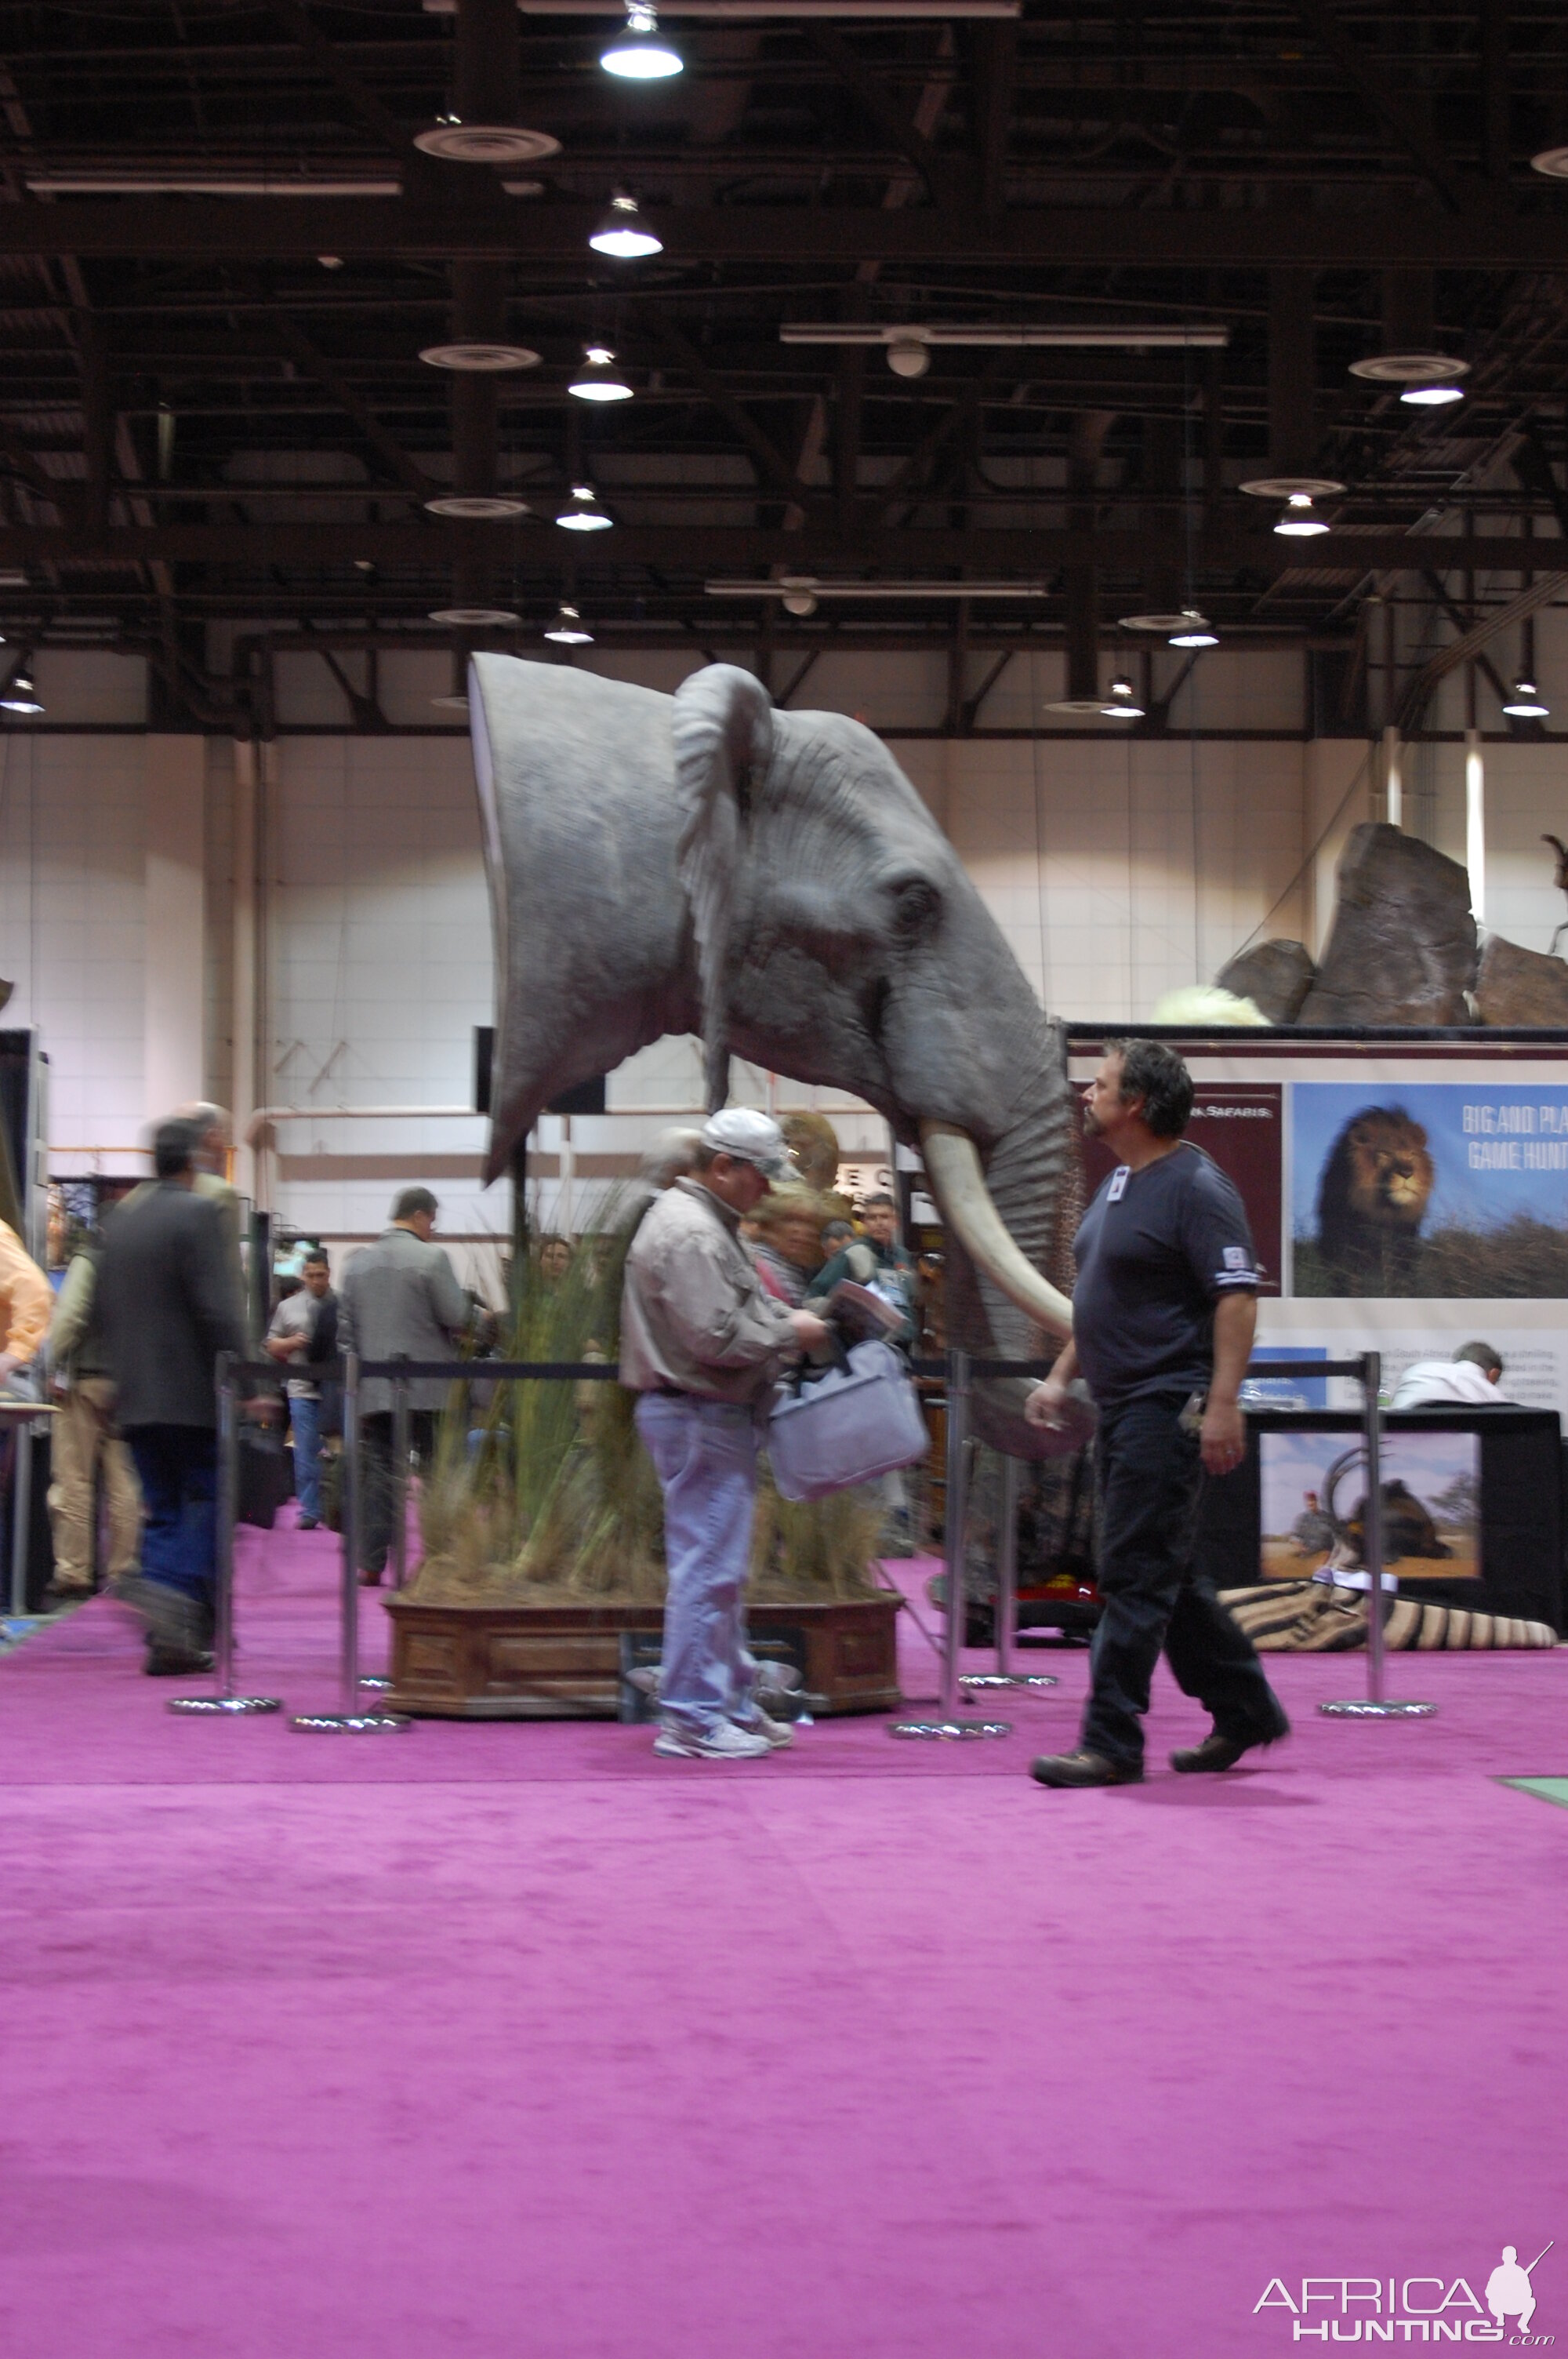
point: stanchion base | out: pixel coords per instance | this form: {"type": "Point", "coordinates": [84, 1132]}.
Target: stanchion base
{"type": "Point", "coordinates": [981, 1682]}
{"type": "Point", "coordinates": [350, 1723]}
{"type": "Point", "coordinates": [1360, 1708]}
{"type": "Point", "coordinates": [209, 1707]}
{"type": "Point", "coordinates": [948, 1731]}
{"type": "Point", "coordinates": [374, 1680]}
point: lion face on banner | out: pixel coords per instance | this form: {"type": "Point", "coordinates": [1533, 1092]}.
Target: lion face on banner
{"type": "Point", "coordinates": [1376, 1186]}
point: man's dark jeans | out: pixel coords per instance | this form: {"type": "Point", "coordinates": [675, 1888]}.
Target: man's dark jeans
{"type": "Point", "coordinates": [178, 1468]}
{"type": "Point", "coordinates": [378, 1499]}
{"type": "Point", "coordinates": [1151, 1480]}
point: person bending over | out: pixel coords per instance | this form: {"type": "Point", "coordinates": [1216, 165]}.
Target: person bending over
{"type": "Point", "coordinates": [701, 1343]}
{"type": "Point", "coordinates": [1164, 1316]}
{"type": "Point", "coordinates": [1473, 1378]}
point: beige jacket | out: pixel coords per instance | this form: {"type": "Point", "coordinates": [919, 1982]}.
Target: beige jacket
{"type": "Point", "coordinates": [695, 1317]}
{"type": "Point", "coordinates": [26, 1295]}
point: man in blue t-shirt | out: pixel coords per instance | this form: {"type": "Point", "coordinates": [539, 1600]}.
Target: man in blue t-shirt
{"type": "Point", "coordinates": [1163, 1316]}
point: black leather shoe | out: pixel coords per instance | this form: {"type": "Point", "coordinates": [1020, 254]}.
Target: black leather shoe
{"type": "Point", "coordinates": [1218, 1751]}
{"type": "Point", "coordinates": [1082, 1769]}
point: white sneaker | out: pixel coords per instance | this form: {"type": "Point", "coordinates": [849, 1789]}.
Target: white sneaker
{"type": "Point", "coordinates": [725, 1742]}
{"type": "Point", "coordinates": [775, 1733]}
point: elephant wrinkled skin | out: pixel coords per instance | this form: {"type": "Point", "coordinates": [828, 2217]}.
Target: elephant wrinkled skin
{"type": "Point", "coordinates": [773, 882]}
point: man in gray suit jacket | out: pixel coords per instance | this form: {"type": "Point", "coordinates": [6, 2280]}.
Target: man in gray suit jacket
{"type": "Point", "coordinates": [167, 1303]}
{"type": "Point", "coordinates": [400, 1297]}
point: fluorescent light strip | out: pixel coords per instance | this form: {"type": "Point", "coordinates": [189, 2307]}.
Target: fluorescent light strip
{"type": "Point", "coordinates": [891, 12]}
{"type": "Point", "coordinates": [1076, 339]}
{"type": "Point", "coordinates": [201, 184]}
{"type": "Point", "coordinates": [800, 583]}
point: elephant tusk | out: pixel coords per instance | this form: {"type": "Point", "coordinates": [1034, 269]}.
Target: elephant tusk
{"type": "Point", "coordinates": [953, 1164]}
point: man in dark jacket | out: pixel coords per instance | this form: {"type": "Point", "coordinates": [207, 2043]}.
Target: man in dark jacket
{"type": "Point", "coordinates": [399, 1299]}
{"type": "Point", "coordinates": [168, 1305]}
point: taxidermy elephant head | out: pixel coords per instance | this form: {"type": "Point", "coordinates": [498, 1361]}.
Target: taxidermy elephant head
{"type": "Point", "coordinates": [772, 881]}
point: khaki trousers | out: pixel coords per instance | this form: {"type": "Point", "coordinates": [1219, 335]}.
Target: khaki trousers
{"type": "Point", "coordinates": [79, 1436]}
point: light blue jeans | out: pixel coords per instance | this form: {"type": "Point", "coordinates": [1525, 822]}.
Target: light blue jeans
{"type": "Point", "coordinates": [305, 1416]}
{"type": "Point", "coordinates": [706, 1457]}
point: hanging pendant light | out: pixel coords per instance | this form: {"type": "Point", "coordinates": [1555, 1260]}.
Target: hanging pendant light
{"type": "Point", "coordinates": [640, 52]}
{"type": "Point", "coordinates": [597, 378]}
{"type": "Point", "coordinates": [1194, 631]}
{"type": "Point", "coordinates": [1525, 701]}
{"type": "Point", "coordinates": [1432, 395]}
{"type": "Point", "coordinates": [1299, 520]}
{"type": "Point", "coordinates": [623, 234]}
{"type": "Point", "coordinates": [584, 513]}
{"type": "Point", "coordinates": [22, 695]}
{"type": "Point", "coordinates": [567, 630]}
{"type": "Point", "coordinates": [1121, 704]}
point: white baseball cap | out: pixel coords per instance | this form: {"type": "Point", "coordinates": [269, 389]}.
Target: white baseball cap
{"type": "Point", "coordinates": [753, 1137]}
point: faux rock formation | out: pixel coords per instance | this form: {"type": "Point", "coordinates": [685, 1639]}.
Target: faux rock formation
{"type": "Point", "coordinates": [1275, 977]}
{"type": "Point", "coordinates": [1404, 946]}
{"type": "Point", "coordinates": [1515, 986]}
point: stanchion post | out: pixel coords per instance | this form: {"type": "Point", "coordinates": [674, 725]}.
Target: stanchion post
{"type": "Point", "coordinates": [349, 1657]}
{"type": "Point", "coordinates": [351, 1719]}
{"type": "Point", "coordinates": [21, 1516]}
{"type": "Point", "coordinates": [1372, 1523]}
{"type": "Point", "coordinates": [1007, 1567]}
{"type": "Point", "coordinates": [400, 1453]}
{"type": "Point", "coordinates": [225, 1703]}
{"type": "Point", "coordinates": [956, 1524]}
{"type": "Point", "coordinates": [1375, 1705]}
{"type": "Point", "coordinates": [228, 1513]}
{"type": "Point", "coordinates": [956, 1518]}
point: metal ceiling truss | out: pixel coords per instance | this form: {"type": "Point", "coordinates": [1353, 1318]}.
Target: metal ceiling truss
{"type": "Point", "coordinates": [213, 408]}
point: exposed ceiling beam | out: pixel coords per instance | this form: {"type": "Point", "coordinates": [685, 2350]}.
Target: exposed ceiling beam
{"type": "Point", "coordinates": [1404, 122]}
{"type": "Point", "coordinates": [1029, 553]}
{"type": "Point", "coordinates": [885, 112]}
{"type": "Point", "coordinates": [1482, 236]}
{"type": "Point", "coordinates": [773, 469]}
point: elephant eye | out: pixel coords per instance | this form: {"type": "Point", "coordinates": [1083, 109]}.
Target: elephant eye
{"type": "Point", "coordinates": [915, 908]}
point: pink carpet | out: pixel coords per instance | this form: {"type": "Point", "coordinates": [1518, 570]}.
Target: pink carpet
{"type": "Point", "coordinates": [482, 2042]}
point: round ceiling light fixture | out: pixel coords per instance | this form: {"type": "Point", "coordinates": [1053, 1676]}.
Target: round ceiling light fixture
{"type": "Point", "coordinates": [1410, 368]}
{"type": "Point", "coordinates": [474, 507]}
{"type": "Point", "coordinates": [584, 515]}
{"type": "Point", "coordinates": [910, 356]}
{"type": "Point", "coordinates": [485, 143]}
{"type": "Point", "coordinates": [474, 618]}
{"type": "Point", "coordinates": [1121, 704]}
{"type": "Point", "coordinates": [799, 593]}
{"type": "Point", "coordinates": [640, 52]}
{"type": "Point", "coordinates": [1526, 702]}
{"type": "Point", "coordinates": [1285, 487]}
{"type": "Point", "coordinates": [623, 234]}
{"type": "Point", "coordinates": [568, 629]}
{"type": "Point", "coordinates": [480, 359]}
{"type": "Point", "coordinates": [597, 378]}
{"type": "Point", "coordinates": [1079, 707]}
{"type": "Point", "coordinates": [22, 695]}
{"type": "Point", "coordinates": [1553, 162]}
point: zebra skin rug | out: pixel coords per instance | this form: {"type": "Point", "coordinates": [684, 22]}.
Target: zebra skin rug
{"type": "Point", "coordinates": [1308, 1617]}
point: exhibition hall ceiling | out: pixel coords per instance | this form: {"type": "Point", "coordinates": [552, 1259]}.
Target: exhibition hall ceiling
{"type": "Point", "coordinates": [889, 344]}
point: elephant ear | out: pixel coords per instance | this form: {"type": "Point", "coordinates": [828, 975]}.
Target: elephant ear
{"type": "Point", "coordinates": [723, 726]}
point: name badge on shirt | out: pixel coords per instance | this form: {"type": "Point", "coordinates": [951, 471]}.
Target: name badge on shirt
{"type": "Point", "coordinates": [1119, 1180]}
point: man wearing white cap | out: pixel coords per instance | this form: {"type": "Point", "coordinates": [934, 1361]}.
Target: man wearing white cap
{"type": "Point", "coordinates": [702, 1343]}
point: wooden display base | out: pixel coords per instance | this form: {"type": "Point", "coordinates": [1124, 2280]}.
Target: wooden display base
{"type": "Point", "coordinates": [563, 1662]}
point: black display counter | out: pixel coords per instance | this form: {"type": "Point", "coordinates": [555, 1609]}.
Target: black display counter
{"type": "Point", "coordinates": [1522, 1567]}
